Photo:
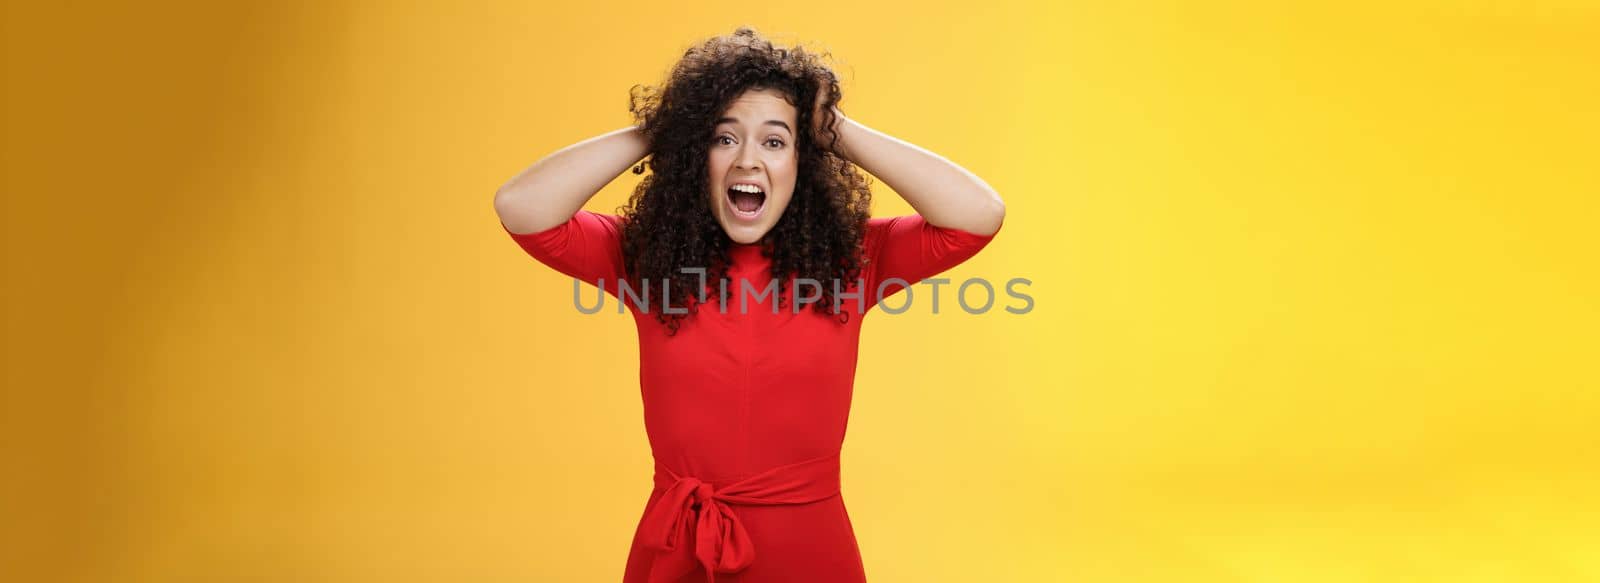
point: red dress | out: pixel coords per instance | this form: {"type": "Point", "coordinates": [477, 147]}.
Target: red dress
{"type": "Point", "coordinates": [746, 413]}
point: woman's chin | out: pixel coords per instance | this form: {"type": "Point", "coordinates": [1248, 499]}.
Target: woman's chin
{"type": "Point", "coordinates": [745, 234]}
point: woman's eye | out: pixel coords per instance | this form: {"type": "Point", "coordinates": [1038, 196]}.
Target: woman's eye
{"type": "Point", "coordinates": [725, 140]}
{"type": "Point", "coordinates": [775, 142]}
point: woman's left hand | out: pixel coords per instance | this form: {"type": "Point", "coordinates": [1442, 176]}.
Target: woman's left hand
{"type": "Point", "coordinates": [818, 108]}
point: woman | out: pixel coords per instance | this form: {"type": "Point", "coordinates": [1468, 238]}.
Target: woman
{"type": "Point", "coordinates": [746, 374]}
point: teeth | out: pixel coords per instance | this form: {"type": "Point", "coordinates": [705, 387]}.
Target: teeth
{"type": "Point", "coordinates": [750, 188]}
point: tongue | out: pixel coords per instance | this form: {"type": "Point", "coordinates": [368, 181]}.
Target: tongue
{"type": "Point", "coordinates": [746, 201]}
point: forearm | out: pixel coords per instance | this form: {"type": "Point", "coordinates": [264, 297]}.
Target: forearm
{"type": "Point", "coordinates": [944, 193]}
{"type": "Point", "coordinates": [553, 189]}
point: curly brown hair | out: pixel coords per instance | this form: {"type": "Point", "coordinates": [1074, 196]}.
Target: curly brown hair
{"type": "Point", "coordinates": [669, 223]}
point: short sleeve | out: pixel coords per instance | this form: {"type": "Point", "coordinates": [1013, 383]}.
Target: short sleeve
{"type": "Point", "coordinates": [909, 248]}
{"type": "Point", "coordinates": [588, 247]}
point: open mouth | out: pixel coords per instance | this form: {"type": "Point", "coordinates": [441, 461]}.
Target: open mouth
{"type": "Point", "coordinates": [746, 200]}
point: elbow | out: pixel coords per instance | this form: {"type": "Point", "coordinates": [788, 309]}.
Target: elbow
{"type": "Point", "coordinates": [514, 214]}
{"type": "Point", "coordinates": [504, 198]}
{"type": "Point", "coordinates": [523, 213]}
{"type": "Point", "coordinates": [503, 204]}
{"type": "Point", "coordinates": [992, 216]}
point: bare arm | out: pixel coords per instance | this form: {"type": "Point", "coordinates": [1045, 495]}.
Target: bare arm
{"type": "Point", "coordinates": [944, 194]}
{"type": "Point", "coordinates": [552, 190]}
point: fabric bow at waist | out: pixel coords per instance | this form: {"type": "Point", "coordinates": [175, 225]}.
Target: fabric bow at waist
{"type": "Point", "coordinates": [692, 521]}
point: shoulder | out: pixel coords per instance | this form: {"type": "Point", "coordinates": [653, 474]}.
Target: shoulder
{"type": "Point", "coordinates": [880, 228]}
{"type": "Point", "coordinates": [913, 237]}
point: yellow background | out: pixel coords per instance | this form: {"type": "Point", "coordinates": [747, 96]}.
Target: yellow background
{"type": "Point", "coordinates": [1316, 292]}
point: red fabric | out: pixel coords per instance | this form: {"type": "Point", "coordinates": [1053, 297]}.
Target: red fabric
{"type": "Point", "coordinates": [746, 413]}
{"type": "Point", "coordinates": [693, 522]}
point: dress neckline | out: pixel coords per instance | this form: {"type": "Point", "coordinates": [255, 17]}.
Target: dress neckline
{"type": "Point", "coordinates": [742, 252]}
{"type": "Point", "coordinates": [747, 260]}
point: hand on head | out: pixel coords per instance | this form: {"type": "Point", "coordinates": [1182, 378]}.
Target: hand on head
{"type": "Point", "coordinates": [821, 106]}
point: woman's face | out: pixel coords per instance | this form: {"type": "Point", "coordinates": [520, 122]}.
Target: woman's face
{"type": "Point", "coordinates": [753, 163]}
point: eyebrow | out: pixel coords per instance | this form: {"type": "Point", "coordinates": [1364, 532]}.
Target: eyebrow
{"type": "Point", "coordinates": [770, 122]}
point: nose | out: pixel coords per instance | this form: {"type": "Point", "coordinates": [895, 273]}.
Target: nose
{"type": "Point", "coordinates": [747, 159]}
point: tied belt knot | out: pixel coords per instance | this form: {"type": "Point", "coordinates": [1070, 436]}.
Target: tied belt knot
{"type": "Point", "coordinates": [693, 523]}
